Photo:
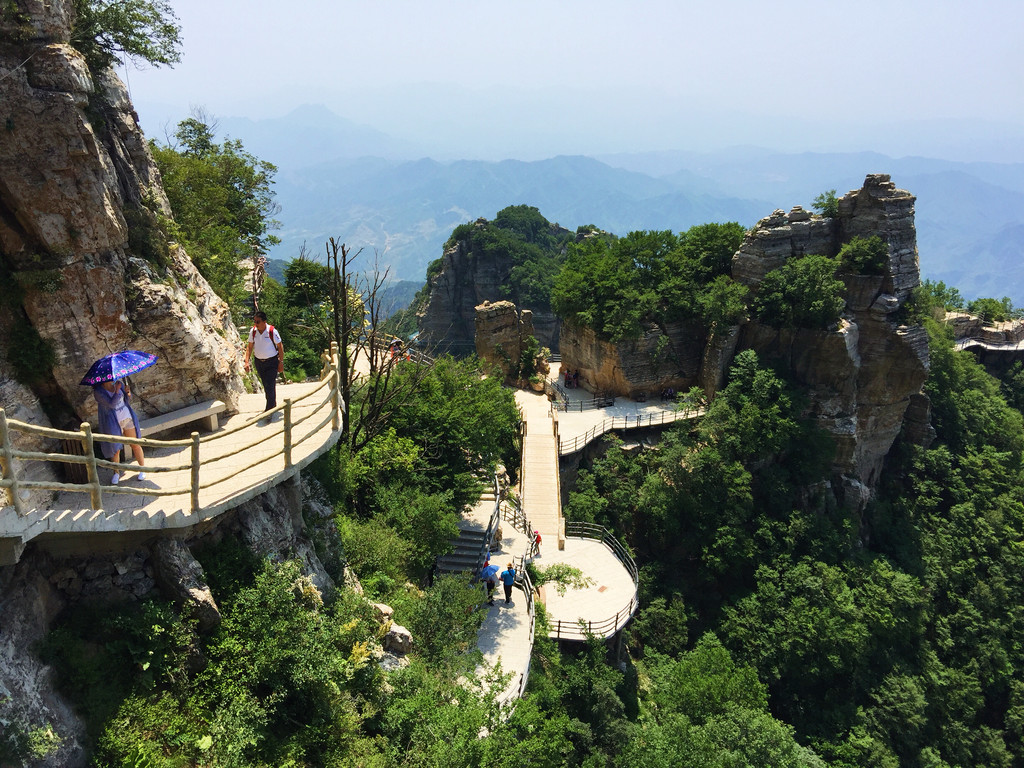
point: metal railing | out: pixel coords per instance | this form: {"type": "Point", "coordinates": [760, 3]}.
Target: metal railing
{"type": "Point", "coordinates": [580, 629]}
{"type": "Point", "coordinates": [294, 431]}
{"type": "Point", "coordinates": [568, 406]}
{"type": "Point", "coordinates": [569, 446]}
{"type": "Point", "coordinates": [512, 513]}
{"type": "Point", "coordinates": [492, 526]}
{"type": "Point", "coordinates": [526, 583]}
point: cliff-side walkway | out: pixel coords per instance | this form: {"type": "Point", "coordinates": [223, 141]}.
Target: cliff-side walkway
{"type": "Point", "coordinates": [187, 481]}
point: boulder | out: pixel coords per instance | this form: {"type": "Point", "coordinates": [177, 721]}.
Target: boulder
{"type": "Point", "coordinates": [398, 639]}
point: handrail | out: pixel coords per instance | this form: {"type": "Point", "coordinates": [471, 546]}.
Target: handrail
{"type": "Point", "coordinates": [578, 630]}
{"type": "Point", "coordinates": [492, 526]}
{"type": "Point", "coordinates": [567, 405]}
{"type": "Point", "coordinates": [613, 423]}
{"type": "Point", "coordinates": [583, 530]}
{"type": "Point", "coordinates": [523, 579]}
{"type": "Point", "coordinates": [512, 512]}
{"type": "Point", "coordinates": [330, 404]}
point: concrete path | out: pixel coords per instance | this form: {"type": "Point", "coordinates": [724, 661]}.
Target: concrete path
{"type": "Point", "coordinates": [610, 597]}
{"type": "Point", "coordinates": [539, 481]}
{"type": "Point", "coordinates": [604, 605]}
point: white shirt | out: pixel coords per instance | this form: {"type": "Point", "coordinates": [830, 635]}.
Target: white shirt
{"type": "Point", "coordinates": [262, 345]}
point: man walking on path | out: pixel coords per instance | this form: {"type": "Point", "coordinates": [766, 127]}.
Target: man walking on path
{"type": "Point", "coordinates": [508, 578]}
{"type": "Point", "coordinates": [265, 341]}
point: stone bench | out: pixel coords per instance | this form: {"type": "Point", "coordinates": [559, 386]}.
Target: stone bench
{"type": "Point", "coordinates": [206, 412]}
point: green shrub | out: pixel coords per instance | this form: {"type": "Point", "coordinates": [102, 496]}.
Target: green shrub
{"type": "Point", "coordinates": [864, 256]}
{"type": "Point", "coordinates": [827, 204]}
{"type": "Point", "coordinates": [803, 293]}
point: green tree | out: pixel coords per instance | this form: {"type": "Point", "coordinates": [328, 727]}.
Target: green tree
{"type": "Point", "coordinates": [827, 204]}
{"type": "Point", "coordinates": [105, 30]}
{"type": "Point", "coordinates": [803, 293]}
{"type": "Point", "coordinates": [993, 310]}
{"type": "Point", "coordinates": [223, 204]}
{"type": "Point", "coordinates": [864, 256]}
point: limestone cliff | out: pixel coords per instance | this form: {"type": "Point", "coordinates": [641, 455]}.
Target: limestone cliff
{"type": "Point", "coordinates": [86, 266]}
{"type": "Point", "coordinates": [861, 377]}
{"type": "Point", "coordinates": [465, 279]}
{"type": "Point", "coordinates": [504, 337]}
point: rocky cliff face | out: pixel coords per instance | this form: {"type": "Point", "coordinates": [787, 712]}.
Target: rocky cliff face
{"type": "Point", "coordinates": [86, 265]}
{"type": "Point", "coordinates": [862, 377]}
{"type": "Point", "coordinates": [502, 337]}
{"type": "Point", "coordinates": [464, 281]}
{"type": "Point", "coordinates": [38, 588]}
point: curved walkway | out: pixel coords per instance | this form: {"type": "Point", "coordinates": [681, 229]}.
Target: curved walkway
{"type": "Point", "coordinates": [609, 598]}
{"type": "Point", "coordinates": [187, 481]}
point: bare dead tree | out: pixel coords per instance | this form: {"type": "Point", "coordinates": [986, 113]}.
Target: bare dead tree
{"type": "Point", "coordinates": [358, 315]}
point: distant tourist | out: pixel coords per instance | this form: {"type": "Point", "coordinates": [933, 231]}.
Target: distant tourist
{"type": "Point", "coordinates": [576, 379]}
{"type": "Point", "coordinates": [265, 342]}
{"type": "Point", "coordinates": [508, 578]}
{"type": "Point", "coordinates": [535, 549]}
{"type": "Point", "coordinates": [117, 418]}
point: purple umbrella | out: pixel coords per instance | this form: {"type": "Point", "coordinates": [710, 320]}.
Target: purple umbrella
{"type": "Point", "coordinates": [117, 366]}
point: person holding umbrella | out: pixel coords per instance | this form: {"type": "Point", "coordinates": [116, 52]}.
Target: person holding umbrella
{"type": "Point", "coordinates": [489, 574]}
{"type": "Point", "coordinates": [112, 395]}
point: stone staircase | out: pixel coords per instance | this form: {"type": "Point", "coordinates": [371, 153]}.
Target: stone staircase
{"type": "Point", "coordinates": [469, 547]}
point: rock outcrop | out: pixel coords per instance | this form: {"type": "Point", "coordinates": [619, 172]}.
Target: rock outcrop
{"type": "Point", "coordinates": [502, 338]}
{"type": "Point", "coordinates": [464, 281]}
{"type": "Point", "coordinates": [39, 587]}
{"type": "Point", "coordinates": [88, 270]}
{"type": "Point", "coordinates": [861, 377]}
{"type": "Point", "coordinates": [662, 357]}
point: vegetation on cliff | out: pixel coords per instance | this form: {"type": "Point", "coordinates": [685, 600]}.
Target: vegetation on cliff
{"type": "Point", "coordinates": [529, 246]}
{"type": "Point", "coordinates": [223, 205]}
{"type": "Point", "coordinates": [617, 288]}
{"type": "Point", "coordinates": [146, 30]}
{"type": "Point", "coordinates": [891, 640]}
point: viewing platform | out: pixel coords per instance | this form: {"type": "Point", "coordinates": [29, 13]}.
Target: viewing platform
{"type": "Point", "coordinates": [188, 481]}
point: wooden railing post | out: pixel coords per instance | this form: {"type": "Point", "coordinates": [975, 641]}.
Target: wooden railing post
{"type": "Point", "coordinates": [288, 433]}
{"type": "Point", "coordinates": [89, 448]}
{"type": "Point", "coordinates": [336, 392]}
{"type": "Point", "coordinates": [195, 472]}
{"type": "Point", "coordinates": [7, 463]}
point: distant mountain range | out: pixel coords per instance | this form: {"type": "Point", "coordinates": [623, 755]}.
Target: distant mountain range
{"type": "Point", "coordinates": [339, 179]}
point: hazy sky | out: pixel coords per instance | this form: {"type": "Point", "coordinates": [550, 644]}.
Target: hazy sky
{"type": "Point", "coordinates": [535, 77]}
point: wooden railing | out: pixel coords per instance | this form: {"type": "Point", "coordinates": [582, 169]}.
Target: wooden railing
{"type": "Point", "coordinates": [611, 424]}
{"type": "Point", "coordinates": [295, 430]}
{"type": "Point", "coordinates": [579, 630]}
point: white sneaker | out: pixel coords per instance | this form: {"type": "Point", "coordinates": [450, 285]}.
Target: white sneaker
{"type": "Point", "coordinates": [114, 480]}
{"type": "Point", "coordinates": [142, 476]}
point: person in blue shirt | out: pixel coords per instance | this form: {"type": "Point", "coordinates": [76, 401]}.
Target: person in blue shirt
{"type": "Point", "coordinates": [508, 578]}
